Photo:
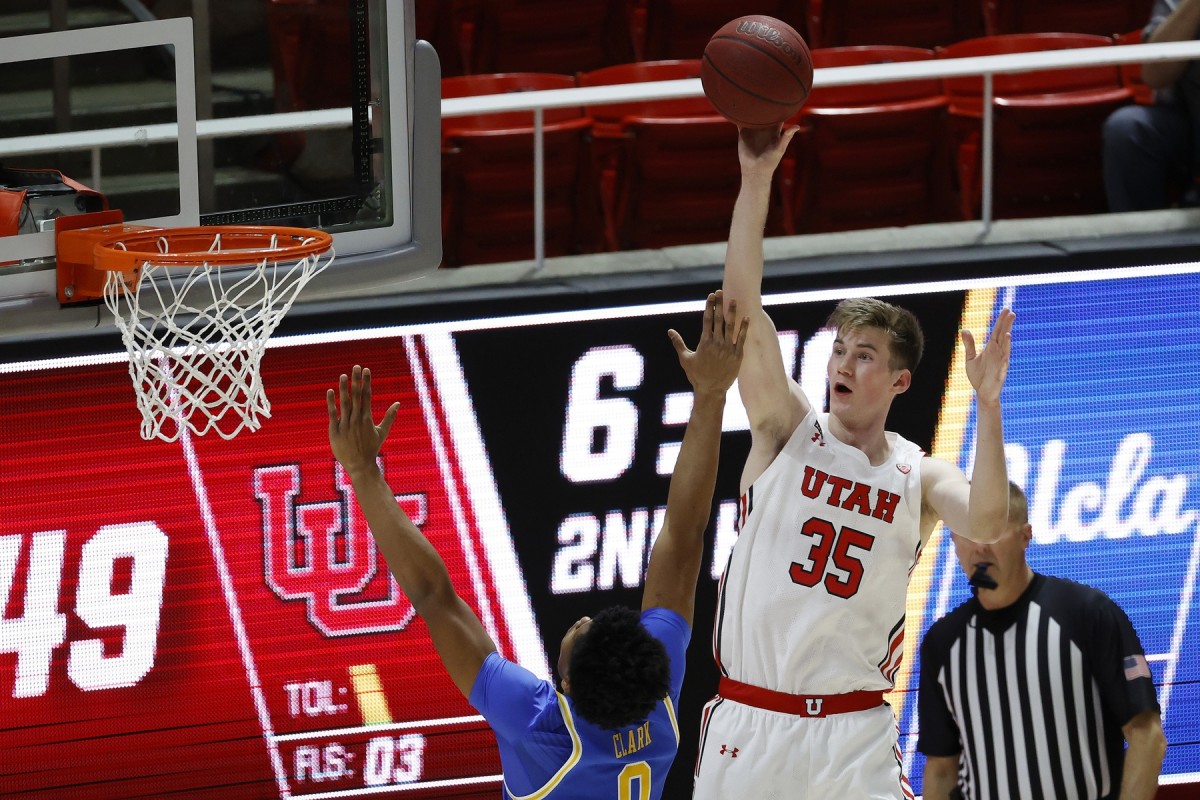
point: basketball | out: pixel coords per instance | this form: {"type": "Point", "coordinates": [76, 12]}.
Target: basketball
{"type": "Point", "coordinates": [756, 71]}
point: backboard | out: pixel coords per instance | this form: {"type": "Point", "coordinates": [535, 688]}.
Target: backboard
{"type": "Point", "coordinates": [319, 114]}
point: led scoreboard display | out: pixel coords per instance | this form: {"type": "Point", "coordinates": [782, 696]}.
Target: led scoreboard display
{"type": "Point", "coordinates": [210, 618]}
{"type": "Point", "coordinates": [215, 614]}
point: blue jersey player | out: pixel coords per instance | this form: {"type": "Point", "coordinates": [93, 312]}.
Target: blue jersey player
{"type": "Point", "coordinates": [609, 729]}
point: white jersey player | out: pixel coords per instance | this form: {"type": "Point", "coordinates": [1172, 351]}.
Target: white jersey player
{"type": "Point", "coordinates": [835, 509]}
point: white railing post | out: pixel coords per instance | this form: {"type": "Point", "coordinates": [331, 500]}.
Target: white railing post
{"type": "Point", "coordinates": [96, 171]}
{"type": "Point", "coordinates": [988, 161]}
{"type": "Point", "coordinates": [539, 188]}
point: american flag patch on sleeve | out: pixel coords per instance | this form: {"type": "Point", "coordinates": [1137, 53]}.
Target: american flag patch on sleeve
{"type": "Point", "coordinates": [1136, 667]}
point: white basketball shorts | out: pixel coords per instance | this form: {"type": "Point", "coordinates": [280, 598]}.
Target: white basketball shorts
{"type": "Point", "coordinates": [755, 754]}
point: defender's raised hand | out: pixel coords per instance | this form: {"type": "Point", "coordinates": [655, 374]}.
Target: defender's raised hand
{"type": "Point", "coordinates": [713, 365]}
{"type": "Point", "coordinates": [679, 549]}
{"type": "Point", "coordinates": [988, 367]}
{"type": "Point", "coordinates": [353, 435]}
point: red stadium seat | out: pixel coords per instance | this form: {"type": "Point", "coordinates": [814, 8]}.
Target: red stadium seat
{"type": "Point", "coordinates": [924, 23]}
{"type": "Point", "coordinates": [1101, 17]}
{"type": "Point", "coordinates": [1131, 74]}
{"type": "Point", "coordinates": [610, 117]}
{"type": "Point", "coordinates": [869, 155]}
{"type": "Point", "coordinates": [488, 175]}
{"type": "Point", "coordinates": [679, 29]}
{"type": "Point", "coordinates": [668, 170]}
{"type": "Point", "coordinates": [1047, 152]}
{"type": "Point", "coordinates": [553, 36]}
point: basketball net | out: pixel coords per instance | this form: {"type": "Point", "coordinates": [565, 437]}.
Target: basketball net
{"type": "Point", "coordinates": [196, 335]}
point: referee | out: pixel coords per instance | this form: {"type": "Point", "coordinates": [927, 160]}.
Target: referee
{"type": "Point", "coordinates": [1031, 688]}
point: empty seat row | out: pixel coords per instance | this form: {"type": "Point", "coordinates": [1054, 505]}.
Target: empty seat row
{"type": "Point", "coordinates": [659, 173]}
{"type": "Point", "coordinates": [489, 36]}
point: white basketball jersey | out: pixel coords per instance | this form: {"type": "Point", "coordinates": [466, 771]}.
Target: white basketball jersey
{"type": "Point", "coordinates": [812, 599]}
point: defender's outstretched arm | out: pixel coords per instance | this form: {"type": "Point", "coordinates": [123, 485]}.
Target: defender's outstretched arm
{"type": "Point", "coordinates": [458, 635]}
{"type": "Point", "coordinates": [679, 550]}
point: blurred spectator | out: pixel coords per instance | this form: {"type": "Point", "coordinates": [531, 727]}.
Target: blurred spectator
{"type": "Point", "coordinates": [1151, 152]}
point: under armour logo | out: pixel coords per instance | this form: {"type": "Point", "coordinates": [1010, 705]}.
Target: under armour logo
{"type": "Point", "coordinates": [813, 705]}
{"type": "Point", "coordinates": [731, 751]}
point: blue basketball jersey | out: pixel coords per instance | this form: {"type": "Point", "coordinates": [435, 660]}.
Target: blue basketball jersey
{"type": "Point", "coordinates": [549, 751]}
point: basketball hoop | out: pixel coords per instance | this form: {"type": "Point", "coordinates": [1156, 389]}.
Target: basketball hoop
{"type": "Point", "coordinates": [195, 307]}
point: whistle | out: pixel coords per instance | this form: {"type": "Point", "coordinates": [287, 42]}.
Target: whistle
{"type": "Point", "coordinates": [980, 578]}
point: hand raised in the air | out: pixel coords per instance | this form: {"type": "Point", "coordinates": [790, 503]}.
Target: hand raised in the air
{"type": "Point", "coordinates": [353, 434]}
{"type": "Point", "coordinates": [761, 149]}
{"type": "Point", "coordinates": [713, 365]}
{"type": "Point", "coordinates": [988, 367]}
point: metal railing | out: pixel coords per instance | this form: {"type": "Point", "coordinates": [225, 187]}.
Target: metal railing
{"type": "Point", "coordinates": [538, 101]}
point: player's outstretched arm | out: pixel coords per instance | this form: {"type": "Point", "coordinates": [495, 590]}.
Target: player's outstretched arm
{"type": "Point", "coordinates": [457, 633]}
{"type": "Point", "coordinates": [679, 550]}
{"type": "Point", "coordinates": [765, 386]}
{"type": "Point", "coordinates": [979, 510]}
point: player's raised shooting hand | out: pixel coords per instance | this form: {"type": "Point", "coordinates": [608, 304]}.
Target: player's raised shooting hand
{"type": "Point", "coordinates": [713, 365]}
{"type": "Point", "coordinates": [761, 149]}
{"type": "Point", "coordinates": [988, 367]}
{"type": "Point", "coordinates": [353, 435]}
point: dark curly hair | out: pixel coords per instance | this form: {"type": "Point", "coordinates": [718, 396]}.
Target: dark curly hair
{"type": "Point", "coordinates": [619, 672]}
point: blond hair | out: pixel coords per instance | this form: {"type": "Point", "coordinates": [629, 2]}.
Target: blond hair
{"type": "Point", "coordinates": [906, 341]}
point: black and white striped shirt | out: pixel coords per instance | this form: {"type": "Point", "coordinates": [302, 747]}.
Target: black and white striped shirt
{"type": "Point", "coordinates": [1034, 696]}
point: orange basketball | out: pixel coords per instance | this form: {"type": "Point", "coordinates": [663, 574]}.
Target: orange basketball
{"type": "Point", "coordinates": [757, 71]}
